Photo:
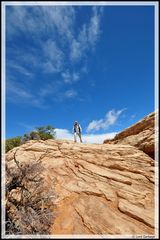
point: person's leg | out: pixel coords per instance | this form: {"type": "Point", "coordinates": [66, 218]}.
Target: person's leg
{"type": "Point", "coordinates": [75, 138]}
{"type": "Point", "coordinates": [80, 137]}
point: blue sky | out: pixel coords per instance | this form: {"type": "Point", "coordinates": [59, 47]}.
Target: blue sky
{"type": "Point", "coordinates": [94, 64]}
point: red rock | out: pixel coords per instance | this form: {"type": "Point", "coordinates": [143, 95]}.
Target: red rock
{"type": "Point", "coordinates": [140, 135]}
{"type": "Point", "coordinates": [100, 188]}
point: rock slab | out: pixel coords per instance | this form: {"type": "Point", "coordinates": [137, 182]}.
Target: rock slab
{"type": "Point", "coordinates": [100, 188]}
{"type": "Point", "coordinates": [140, 135]}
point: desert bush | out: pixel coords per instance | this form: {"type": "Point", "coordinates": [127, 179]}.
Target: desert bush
{"type": "Point", "coordinates": [30, 207]}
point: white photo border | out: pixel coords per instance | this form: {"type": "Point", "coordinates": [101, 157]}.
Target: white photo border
{"type": "Point", "coordinates": [156, 92]}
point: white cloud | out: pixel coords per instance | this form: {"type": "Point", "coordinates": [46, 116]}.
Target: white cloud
{"type": "Point", "coordinates": [20, 69]}
{"type": "Point", "coordinates": [97, 138]}
{"type": "Point", "coordinates": [54, 57]}
{"type": "Point", "coordinates": [94, 26]}
{"type": "Point", "coordinates": [36, 20]}
{"type": "Point", "coordinates": [76, 50]}
{"type": "Point", "coordinates": [18, 91]}
{"type": "Point", "coordinates": [51, 41]}
{"type": "Point", "coordinates": [61, 17]}
{"type": "Point", "coordinates": [133, 116]}
{"type": "Point", "coordinates": [49, 89]}
{"type": "Point", "coordinates": [15, 20]}
{"type": "Point", "coordinates": [87, 36]}
{"type": "Point", "coordinates": [66, 76]}
{"type": "Point", "coordinates": [45, 27]}
{"type": "Point", "coordinates": [110, 119]}
{"type": "Point", "coordinates": [54, 21]}
{"type": "Point", "coordinates": [75, 77]}
{"type": "Point", "coordinates": [63, 134]}
{"type": "Point", "coordinates": [18, 94]}
{"type": "Point", "coordinates": [69, 77]}
{"type": "Point", "coordinates": [95, 125]}
{"type": "Point", "coordinates": [70, 93]}
{"type": "Point", "coordinates": [28, 56]}
{"type": "Point", "coordinates": [87, 138]}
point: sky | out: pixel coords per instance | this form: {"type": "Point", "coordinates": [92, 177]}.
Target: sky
{"type": "Point", "coordinates": [93, 64]}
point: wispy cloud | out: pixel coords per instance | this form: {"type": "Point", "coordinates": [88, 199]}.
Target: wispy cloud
{"type": "Point", "coordinates": [69, 77]}
{"type": "Point", "coordinates": [70, 93]}
{"type": "Point", "coordinates": [87, 37]}
{"type": "Point", "coordinates": [45, 27]}
{"type": "Point", "coordinates": [51, 88]}
{"type": "Point", "coordinates": [36, 20]}
{"type": "Point", "coordinates": [53, 46]}
{"type": "Point", "coordinates": [54, 57]}
{"type": "Point", "coordinates": [110, 119]}
{"type": "Point", "coordinates": [76, 50]}
{"type": "Point", "coordinates": [94, 26]}
{"type": "Point", "coordinates": [21, 69]}
{"type": "Point", "coordinates": [62, 18]}
{"type": "Point", "coordinates": [17, 93]}
{"type": "Point", "coordinates": [133, 116]}
{"type": "Point", "coordinates": [87, 138]}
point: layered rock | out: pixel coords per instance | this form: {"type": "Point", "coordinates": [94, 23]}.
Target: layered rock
{"type": "Point", "coordinates": [100, 189]}
{"type": "Point", "coordinates": [140, 135]}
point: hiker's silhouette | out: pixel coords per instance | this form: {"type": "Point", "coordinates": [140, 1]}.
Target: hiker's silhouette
{"type": "Point", "coordinates": [77, 130]}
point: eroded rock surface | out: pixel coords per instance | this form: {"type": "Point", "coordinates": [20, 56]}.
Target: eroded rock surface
{"type": "Point", "coordinates": [140, 135]}
{"type": "Point", "coordinates": [100, 189]}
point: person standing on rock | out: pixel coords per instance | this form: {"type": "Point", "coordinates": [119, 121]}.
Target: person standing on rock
{"type": "Point", "coordinates": [77, 130]}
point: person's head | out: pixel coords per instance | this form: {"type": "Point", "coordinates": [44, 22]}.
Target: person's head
{"type": "Point", "coordinates": [76, 122]}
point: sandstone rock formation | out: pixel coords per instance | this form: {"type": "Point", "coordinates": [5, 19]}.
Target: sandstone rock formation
{"type": "Point", "coordinates": [100, 188]}
{"type": "Point", "coordinates": [140, 135]}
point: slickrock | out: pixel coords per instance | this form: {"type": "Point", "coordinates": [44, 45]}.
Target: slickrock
{"type": "Point", "coordinates": [140, 135]}
{"type": "Point", "coordinates": [100, 188]}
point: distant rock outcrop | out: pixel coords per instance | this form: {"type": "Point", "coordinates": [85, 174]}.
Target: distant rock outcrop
{"type": "Point", "coordinates": [140, 135]}
{"type": "Point", "coordinates": [99, 188]}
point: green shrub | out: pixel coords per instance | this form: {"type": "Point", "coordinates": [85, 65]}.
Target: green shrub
{"type": "Point", "coordinates": [12, 142]}
{"type": "Point", "coordinates": [46, 132]}
{"type": "Point", "coordinates": [45, 136]}
{"type": "Point", "coordinates": [43, 133]}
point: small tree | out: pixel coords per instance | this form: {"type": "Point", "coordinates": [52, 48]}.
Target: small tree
{"type": "Point", "coordinates": [46, 132]}
{"type": "Point", "coordinates": [12, 142]}
{"type": "Point", "coordinates": [40, 133]}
